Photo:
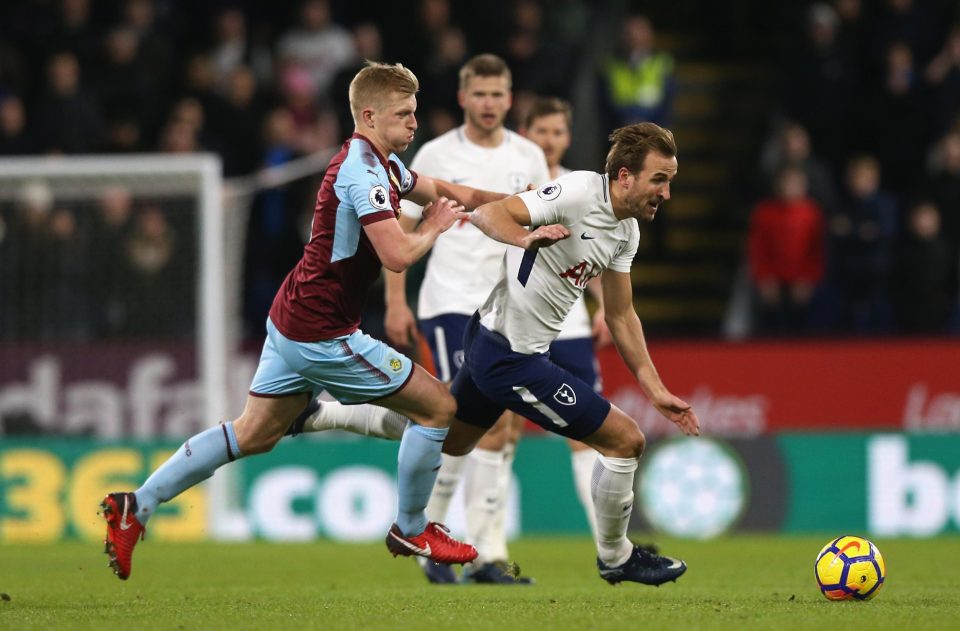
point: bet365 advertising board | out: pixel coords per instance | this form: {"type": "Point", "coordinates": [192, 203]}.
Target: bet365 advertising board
{"type": "Point", "coordinates": [884, 484]}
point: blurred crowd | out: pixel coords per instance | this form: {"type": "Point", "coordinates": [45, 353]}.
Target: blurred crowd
{"type": "Point", "coordinates": [858, 231]}
{"type": "Point", "coordinates": [260, 84]}
{"type": "Point", "coordinates": [856, 226]}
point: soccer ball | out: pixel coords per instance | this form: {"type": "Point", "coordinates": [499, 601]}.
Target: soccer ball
{"type": "Point", "coordinates": [850, 567]}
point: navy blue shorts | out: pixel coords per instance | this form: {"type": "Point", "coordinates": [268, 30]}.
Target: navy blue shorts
{"type": "Point", "coordinates": [577, 356]}
{"type": "Point", "coordinates": [493, 378]}
{"type": "Point", "coordinates": [444, 335]}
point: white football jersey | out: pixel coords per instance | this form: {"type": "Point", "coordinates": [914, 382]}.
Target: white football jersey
{"type": "Point", "coordinates": [465, 263]}
{"type": "Point", "coordinates": [578, 323]}
{"type": "Point", "coordinates": [538, 288]}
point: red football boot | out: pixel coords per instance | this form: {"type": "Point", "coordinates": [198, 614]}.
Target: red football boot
{"type": "Point", "coordinates": [433, 543]}
{"type": "Point", "coordinates": [123, 530]}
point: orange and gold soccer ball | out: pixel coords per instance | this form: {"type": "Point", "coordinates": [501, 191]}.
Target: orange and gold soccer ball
{"type": "Point", "coordinates": [850, 567]}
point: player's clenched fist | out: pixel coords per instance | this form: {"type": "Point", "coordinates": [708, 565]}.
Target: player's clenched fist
{"type": "Point", "coordinates": [444, 212]}
{"type": "Point", "coordinates": [545, 236]}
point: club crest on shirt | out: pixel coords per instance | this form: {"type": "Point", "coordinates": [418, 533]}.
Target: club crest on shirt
{"type": "Point", "coordinates": [396, 365]}
{"type": "Point", "coordinates": [549, 192]}
{"type": "Point", "coordinates": [407, 181]}
{"type": "Point", "coordinates": [379, 197]}
{"type": "Point", "coordinates": [518, 182]}
{"type": "Point", "coordinates": [565, 395]}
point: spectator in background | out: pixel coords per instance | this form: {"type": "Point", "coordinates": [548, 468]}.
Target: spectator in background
{"type": "Point", "coordinates": [316, 125]}
{"type": "Point", "coordinates": [243, 110]}
{"type": "Point", "coordinates": [943, 76]}
{"type": "Point", "coordinates": [123, 85]}
{"type": "Point", "coordinates": [923, 287]}
{"type": "Point", "coordinates": [233, 47]}
{"type": "Point", "coordinates": [863, 233]}
{"type": "Point", "coordinates": [914, 24]}
{"type": "Point", "coordinates": [541, 63]}
{"type": "Point", "coordinates": [943, 188]}
{"type": "Point", "coordinates": [178, 136]}
{"type": "Point", "coordinates": [637, 83]}
{"type": "Point", "coordinates": [15, 137]}
{"type": "Point", "coordinates": [66, 312]}
{"type": "Point", "coordinates": [161, 296]}
{"type": "Point", "coordinates": [316, 44]}
{"type": "Point", "coordinates": [28, 239]}
{"type": "Point", "coordinates": [414, 44]}
{"type": "Point", "coordinates": [200, 83]}
{"type": "Point", "coordinates": [895, 121]}
{"type": "Point", "coordinates": [792, 148]}
{"type": "Point", "coordinates": [440, 83]}
{"type": "Point", "coordinates": [107, 255]}
{"type": "Point", "coordinates": [72, 29]}
{"type": "Point", "coordinates": [189, 111]}
{"type": "Point", "coordinates": [786, 254]}
{"type": "Point", "coordinates": [156, 46]}
{"type": "Point", "coordinates": [820, 83]}
{"type": "Point", "coordinates": [67, 119]}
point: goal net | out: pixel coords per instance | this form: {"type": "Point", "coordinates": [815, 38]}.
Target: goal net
{"type": "Point", "coordinates": [112, 310]}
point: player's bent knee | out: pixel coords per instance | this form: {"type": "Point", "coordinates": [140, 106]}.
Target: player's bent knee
{"type": "Point", "coordinates": [442, 412]}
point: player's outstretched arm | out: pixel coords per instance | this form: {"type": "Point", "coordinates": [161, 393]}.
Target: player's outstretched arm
{"type": "Point", "coordinates": [506, 221]}
{"type": "Point", "coordinates": [397, 249]}
{"type": "Point", "coordinates": [430, 188]}
{"type": "Point", "coordinates": [627, 333]}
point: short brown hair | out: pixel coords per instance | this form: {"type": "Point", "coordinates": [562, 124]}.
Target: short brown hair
{"type": "Point", "coordinates": [547, 105]}
{"type": "Point", "coordinates": [632, 143]}
{"type": "Point", "coordinates": [485, 65]}
{"type": "Point", "coordinates": [376, 82]}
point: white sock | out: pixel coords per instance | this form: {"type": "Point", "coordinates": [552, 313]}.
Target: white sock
{"type": "Point", "coordinates": [481, 494]}
{"type": "Point", "coordinates": [448, 479]}
{"type": "Point", "coordinates": [583, 462]}
{"type": "Point", "coordinates": [612, 490]}
{"type": "Point", "coordinates": [364, 419]}
{"type": "Point", "coordinates": [497, 539]}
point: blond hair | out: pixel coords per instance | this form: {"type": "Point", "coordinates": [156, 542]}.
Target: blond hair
{"type": "Point", "coordinates": [632, 144]}
{"type": "Point", "coordinates": [485, 65]}
{"type": "Point", "coordinates": [376, 83]}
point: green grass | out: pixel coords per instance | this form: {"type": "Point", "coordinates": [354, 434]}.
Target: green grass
{"type": "Point", "coordinates": [732, 583]}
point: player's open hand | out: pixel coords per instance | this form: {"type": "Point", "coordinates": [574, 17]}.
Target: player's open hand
{"type": "Point", "coordinates": [400, 325]}
{"type": "Point", "coordinates": [678, 412]}
{"type": "Point", "coordinates": [444, 213]}
{"type": "Point", "coordinates": [544, 236]}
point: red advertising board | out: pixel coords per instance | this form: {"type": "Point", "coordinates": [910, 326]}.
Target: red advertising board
{"type": "Point", "coordinates": [747, 389]}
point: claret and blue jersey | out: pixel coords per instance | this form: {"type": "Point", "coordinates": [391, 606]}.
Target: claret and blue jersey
{"type": "Point", "coordinates": [313, 337]}
{"type": "Point", "coordinates": [324, 295]}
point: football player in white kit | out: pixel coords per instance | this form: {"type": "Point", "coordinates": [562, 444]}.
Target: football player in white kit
{"type": "Point", "coordinates": [578, 227]}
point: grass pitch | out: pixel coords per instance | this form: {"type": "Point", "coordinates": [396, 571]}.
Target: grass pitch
{"type": "Point", "coordinates": [733, 583]}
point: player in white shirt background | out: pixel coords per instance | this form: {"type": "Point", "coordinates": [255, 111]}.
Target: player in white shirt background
{"type": "Point", "coordinates": [565, 233]}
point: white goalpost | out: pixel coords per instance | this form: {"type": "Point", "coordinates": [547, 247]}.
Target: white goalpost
{"type": "Point", "coordinates": [50, 206]}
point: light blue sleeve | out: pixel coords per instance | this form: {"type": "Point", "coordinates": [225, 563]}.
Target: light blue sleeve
{"type": "Point", "coordinates": [408, 178]}
{"type": "Point", "coordinates": [362, 183]}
